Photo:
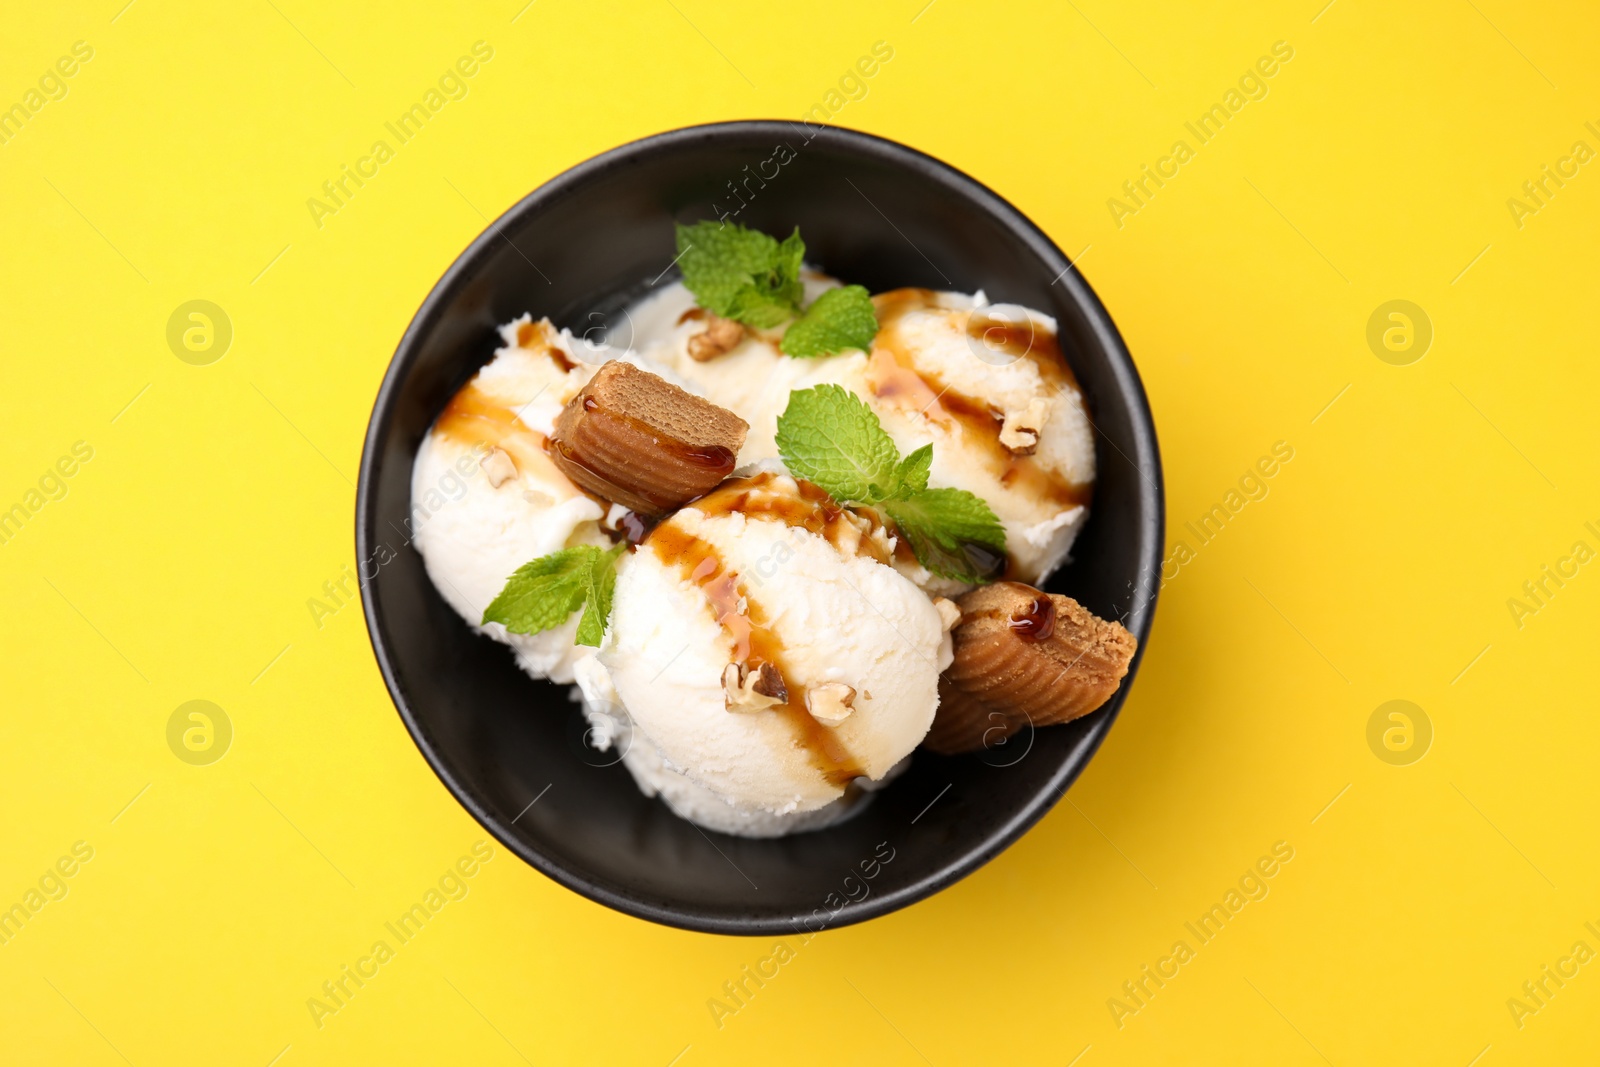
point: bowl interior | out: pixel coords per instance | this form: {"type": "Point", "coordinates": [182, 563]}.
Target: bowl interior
{"type": "Point", "coordinates": [512, 749]}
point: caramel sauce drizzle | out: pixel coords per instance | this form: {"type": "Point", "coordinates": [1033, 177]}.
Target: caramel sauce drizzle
{"type": "Point", "coordinates": [754, 642]}
{"type": "Point", "coordinates": [810, 508]}
{"type": "Point", "coordinates": [473, 417]}
{"type": "Point", "coordinates": [892, 375]}
{"type": "Point", "coordinates": [635, 527]}
{"type": "Point", "coordinates": [530, 332]}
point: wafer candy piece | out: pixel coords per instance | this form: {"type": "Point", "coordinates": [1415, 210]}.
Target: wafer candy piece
{"type": "Point", "coordinates": [1022, 656]}
{"type": "Point", "coordinates": [637, 440]}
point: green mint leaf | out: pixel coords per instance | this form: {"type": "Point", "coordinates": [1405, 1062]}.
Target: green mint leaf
{"type": "Point", "coordinates": [719, 260]}
{"type": "Point", "coordinates": [791, 250]}
{"type": "Point", "coordinates": [541, 594]}
{"type": "Point", "coordinates": [913, 473]}
{"type": "Point", "coordinates": [760, 308]}
{"type": "Point", "coordinates": [740, 273]}
{"type": "Point", "coordinates": [837, 320]}
{"type": "Point", "coordinates": [953, 532]}
{"type": "Point", "coordinates": [597, 600]}
{"type": "Point", "coordinates": [829, 436]}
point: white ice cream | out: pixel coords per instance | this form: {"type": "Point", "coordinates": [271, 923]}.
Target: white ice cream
{"type": "Point", "coordinates": [831, 613]}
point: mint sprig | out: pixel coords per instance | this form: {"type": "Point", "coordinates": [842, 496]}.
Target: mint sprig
{"type": "Point", "coordinates": [912, 473]}
{"type": "Point", "coordinates": [829, 436]}
{"type": "Point", "coordinates": [750, 277]}
{"type": "Point", "coordinates": [742, 274]}
{"type": "Point", "coordinates": [543, 593]}
{"type": "Point", "coordinates": [837, 320]}
{"type": "Point", "coordinates": [952, 531]}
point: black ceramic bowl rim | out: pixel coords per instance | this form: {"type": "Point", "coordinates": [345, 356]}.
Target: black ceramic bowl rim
{"type": "Point", "coordinates": [1111, 349]}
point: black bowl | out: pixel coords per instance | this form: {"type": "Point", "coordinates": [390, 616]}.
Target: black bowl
{"type": "Point", "coordinates": [512, 750]}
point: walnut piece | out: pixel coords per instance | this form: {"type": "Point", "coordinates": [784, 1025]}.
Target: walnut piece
{"type": "Point", "coordinates": [497, 464]}
{"type": "Point", "coordinates": [1019, 433]}
{"type": "Point", "coordinates": [769, 683]}
{"type": "Point", "coordinates": [949, 613]}
{"type": "Point", "coordinates": [719, 336]}
{"type": "Point", "coordinates": [746, 690]}
{"type": "Point", "coordinates": [830, 702]}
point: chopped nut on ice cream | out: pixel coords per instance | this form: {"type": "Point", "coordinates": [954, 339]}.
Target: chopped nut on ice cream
{"type": "Point", "coordinates": [829, 702]}
{"type": "Point", "coordinates": [719, 336]}
{"type": "Point", "coordinates": [498, 466]}
{"type": "Point", "coordinates": [1020, 430]}
{"type": "Point", "coordinates": [753, 690]}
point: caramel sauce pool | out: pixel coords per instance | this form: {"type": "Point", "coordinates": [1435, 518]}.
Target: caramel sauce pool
{"type": "Point", "coordinates": [754, 642]}
{"type": "Point", "coordinates": [1037, 621]}
{"type": "Point", "coordinates": [892, 375]}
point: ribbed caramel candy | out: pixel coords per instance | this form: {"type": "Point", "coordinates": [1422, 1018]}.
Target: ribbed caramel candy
{"type": "Point", "coordinates": [1024, 656]}
{"type": "Point", "coordinates": [637, 440]}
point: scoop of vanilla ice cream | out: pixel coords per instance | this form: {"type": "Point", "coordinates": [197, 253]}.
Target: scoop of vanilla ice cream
{"type": "Point", "coordinates": [987, 386]}
{"type": "Point", "coordinates": [485, 499]}
{"type": "Point", "coordinates": [818, 603]}
{"type": "Point", "coordinates": [485, 496]}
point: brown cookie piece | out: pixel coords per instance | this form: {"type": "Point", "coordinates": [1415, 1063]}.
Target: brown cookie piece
{"type": "Point", "coordinates": [635, 439]}
{"type": "Point", "coordinates": [1024, 656]}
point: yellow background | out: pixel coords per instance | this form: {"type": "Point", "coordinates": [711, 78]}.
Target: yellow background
{"type": "Point", "coordinates": [179, 564]}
